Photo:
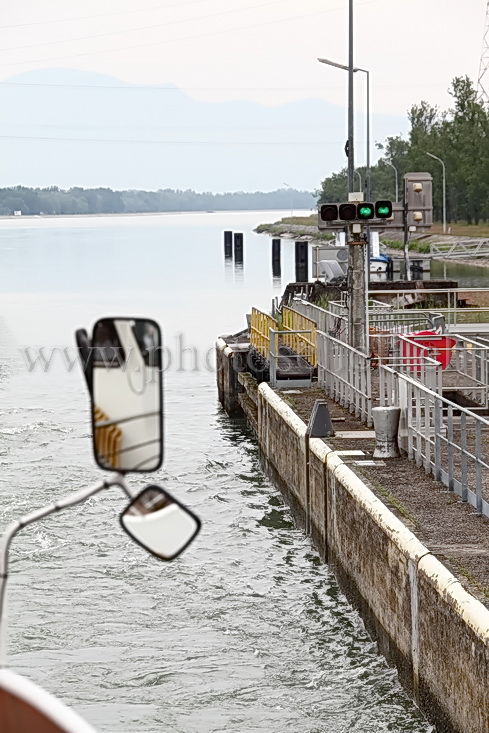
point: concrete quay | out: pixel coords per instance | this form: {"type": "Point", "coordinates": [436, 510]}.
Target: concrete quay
{"type": "Point", "coordinates": [417, 570]}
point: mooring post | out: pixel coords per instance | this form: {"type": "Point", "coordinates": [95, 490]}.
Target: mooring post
{"type": "Point", "coordinates": [301, 262]}
{"type": "Point", "coordinates": [238, 248]}
{"type": "Point", "coordinates": [228, 245]}
{"type": "Point", "coordinates": [276, 260]}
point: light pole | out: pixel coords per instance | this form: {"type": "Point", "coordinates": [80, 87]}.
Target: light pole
{"type": "Point", "coordinates": [444, 191]}
{"type": "Point", "coordinates": [397, 178]}
{"type": "Point", "coordinates": [291, 208]}
{"type": "Point", "coordinates": [358, 256]}
{"type": "Point", "coordinates": [355, 69]}
{"type": "Point", "coordinates": [359, 179]}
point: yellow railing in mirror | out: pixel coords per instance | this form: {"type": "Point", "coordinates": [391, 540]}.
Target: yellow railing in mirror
{"type": "Point", "coordinates": [108, 439]}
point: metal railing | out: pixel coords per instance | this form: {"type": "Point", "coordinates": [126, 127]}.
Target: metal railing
{"type": "Point", "coordinates": [465, 363]}
{"type": "Point", "coordinates": [458, 305]}
{"type": "Point", "coordinates": [319, 315]}
{"type": "Point", "coordinates": [287, 367]}
{"type": "Point", "coordinates": [303, 342]}
{"type": "Point", "coordinates": [461, 248]}
{"type": "Point", "coordinates": [261, 323]}
{"type": "Point", "coordinates": [345, 375]}
{"type": "Point", "coordinates": [401, 321]}
{"type": "Point", "coordinates": [448, 440]}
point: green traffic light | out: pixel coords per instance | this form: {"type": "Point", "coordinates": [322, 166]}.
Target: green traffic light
{"type": "Point", "coordinates": [384, 210]}
{"type": "Point", "coordinates": [365, 212]}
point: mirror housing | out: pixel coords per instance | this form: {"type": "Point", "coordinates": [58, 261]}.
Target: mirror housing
{"type": "Point", "coordinates": [159, 523]}
{"type": "Point", "coordinates": [125, 375]}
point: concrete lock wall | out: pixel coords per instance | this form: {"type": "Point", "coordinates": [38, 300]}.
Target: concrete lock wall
{"type": "Point", "coordinates": [425, 623]}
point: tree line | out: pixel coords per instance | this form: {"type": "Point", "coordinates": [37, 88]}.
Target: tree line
{"type": "Point", "coordinates": [459, 136]}
{"type": "Point", "coordinates": [76, 200]}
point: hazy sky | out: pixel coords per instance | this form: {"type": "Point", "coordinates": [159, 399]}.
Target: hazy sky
{"type": "Point", "coordinates": [245, 49]}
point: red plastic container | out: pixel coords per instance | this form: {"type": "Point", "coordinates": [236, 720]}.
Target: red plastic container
{"type": "Point", "coordinates": [440, 347]}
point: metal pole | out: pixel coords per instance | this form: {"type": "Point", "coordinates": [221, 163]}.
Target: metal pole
{"type": "Point", "coordinates": [444, 191]}
{"type": "Point", "coordinates": [359, 179]}
{"type": "Point", "coordinates": [351, 152]}
{"type": "Point", "coordinates": [357, 284]}
{"type": "Point", "coordinates": [291, 205]}
{"type": "Point", "coordinates": [368, 181]}
{"type": "Point", "coordinates": [397, 178]}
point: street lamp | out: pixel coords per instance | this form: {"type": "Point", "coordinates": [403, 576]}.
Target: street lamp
{"type": "Point", "coordinates": [357, 261]}
{"type": "Point", "coordinates": [397, 178]}
{"type": "Point", "coordinates": [291, 209]}
{"type": "Point", "coordinates": [360, 179]}
{"type": "Point", "coordinates": [444, 191]}
{"type": "Point", "coordinates": [356, 68]}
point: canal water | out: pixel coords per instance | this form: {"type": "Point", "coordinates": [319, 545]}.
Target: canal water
{"type": "Point", "coordinates": [247, 631]}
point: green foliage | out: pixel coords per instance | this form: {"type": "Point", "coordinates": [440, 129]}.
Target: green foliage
{"type": "Point", "coordinates": [458, 136]}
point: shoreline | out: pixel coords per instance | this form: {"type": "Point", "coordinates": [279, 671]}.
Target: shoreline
{"type": "Point", "coordinates": [310, 233]}
{"type": "Point", "coordinates": [30, 217]}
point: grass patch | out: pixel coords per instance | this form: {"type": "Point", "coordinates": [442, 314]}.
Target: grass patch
{"type": "Point", "coordinates": [462, 229]}
{"type": "Point", "coordinates": [422, 247]}
{"type": "Point", "coordinates": [469, 575]}
{"type": "Point", "coordinates": [309, 221]}
{"type": "Point", "coordinates": [280, 229]}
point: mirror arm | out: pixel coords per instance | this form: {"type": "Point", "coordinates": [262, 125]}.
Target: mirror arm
{"type": "Point", "coordinates": [77, 498]}
{"type": "Point", "coordinates": [84, 345]}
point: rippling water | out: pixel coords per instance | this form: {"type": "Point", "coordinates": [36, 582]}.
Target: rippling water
{"type": "Point", "coordinates": [245, 632]}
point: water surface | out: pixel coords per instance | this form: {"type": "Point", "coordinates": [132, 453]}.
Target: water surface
{"type": "Point", "coordinates": [245, 632]}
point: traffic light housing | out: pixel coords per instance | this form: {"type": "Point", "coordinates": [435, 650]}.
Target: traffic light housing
{"type": "Point", "coordinates": [365, 211]}
{"type": "Point", "coordinates": [328, 212]}
{"type": "Point", "coordinates": [383, 209]}
{"type": "Point", "coordinates": [347, 212]}
{"type": "Point", "coordinates": [335, 215]}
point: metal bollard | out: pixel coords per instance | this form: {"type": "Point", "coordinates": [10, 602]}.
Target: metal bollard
{"type": "Point", "coordinates": [386, 424]}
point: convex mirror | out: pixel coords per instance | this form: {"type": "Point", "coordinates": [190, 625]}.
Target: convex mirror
{"type": "Point", "coordinates": [127, 399]}
{"type": "Point", "coordinates": [160, 523]}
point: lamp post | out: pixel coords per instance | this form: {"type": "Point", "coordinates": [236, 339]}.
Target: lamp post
{"type": "Point", "coordinates": [355, 69]}
{"type": "Point", "coordinates": [359, 179]}
{"type": "Point", "coordinates": [291, 208]}
{"type": "Point", "coordinates": [359, 257]}
{"type": "Point", "coordinates": [444, 190]}
{"type": "Point", "coordinates": [397, 178]}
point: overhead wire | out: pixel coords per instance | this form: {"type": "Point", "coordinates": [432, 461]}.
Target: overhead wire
{"type": "Point", "coordinates": [184, 38]}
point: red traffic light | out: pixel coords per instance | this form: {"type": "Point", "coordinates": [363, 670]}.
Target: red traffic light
{"type": "Point", "coordinates": [328, 212]}
{"type": "Point", "coordinates": [348, 212]}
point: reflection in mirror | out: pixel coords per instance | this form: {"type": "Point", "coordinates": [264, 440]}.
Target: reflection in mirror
{"type": "Point", "coordinates": [127, 394]}
{"type": "Point", "coordinates": [159, 523]}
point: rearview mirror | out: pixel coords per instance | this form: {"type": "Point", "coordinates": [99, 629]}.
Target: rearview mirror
{"type": "Point", "coordinates": [127, 399]}
{"type": "Point", "coordinates": [159, 523]}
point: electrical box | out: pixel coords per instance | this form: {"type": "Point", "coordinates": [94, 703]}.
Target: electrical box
{"type": "Point", "coordinates": [418, 200]}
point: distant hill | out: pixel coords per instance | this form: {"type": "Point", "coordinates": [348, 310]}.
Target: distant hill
{"type": "Point", "coordinates": [132, 137]}
{"type": "Point", "coordinates": [78, 200]}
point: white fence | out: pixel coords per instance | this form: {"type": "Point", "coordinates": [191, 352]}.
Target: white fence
{"type": "Point", "coordinates": [345, 375]}
{"type": "Point", "coordinates": [449, 441]}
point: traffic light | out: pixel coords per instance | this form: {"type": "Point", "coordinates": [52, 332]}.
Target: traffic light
{"type": "Point", "coordinates": [328, 212]}
{"type": "Point", "coordinates": [383, 209]}
{"type": "Point", "coordinates": [333, 216]}
{"type": "Point", "coordinates": [365, 211]}
{"type": "Point", "coordinates": [348, 212]}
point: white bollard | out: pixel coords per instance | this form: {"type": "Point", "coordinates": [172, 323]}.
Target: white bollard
{"type": "Point", "coordinates": [386, 424]}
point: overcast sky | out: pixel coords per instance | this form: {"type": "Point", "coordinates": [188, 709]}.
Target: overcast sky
{"type": "Point", "coordinates": [245, 49]}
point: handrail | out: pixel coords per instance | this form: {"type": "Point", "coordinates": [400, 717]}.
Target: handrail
{"type": "Point", "coordinates": [292, 320]}
{"type": "Point", "coordinates": [441, 436]}
{"type": "Point", "coordinates": [261, 323]}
